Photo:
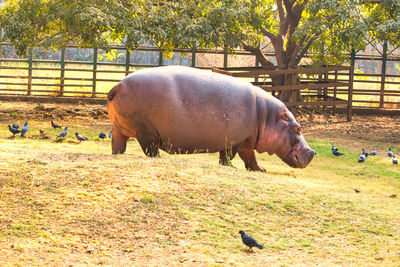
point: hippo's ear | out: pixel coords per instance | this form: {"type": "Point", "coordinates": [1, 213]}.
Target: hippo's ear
{"type": "Point", "coordinates": [283, 119]}
{"type": "Point", "coordinates": [284, 115]}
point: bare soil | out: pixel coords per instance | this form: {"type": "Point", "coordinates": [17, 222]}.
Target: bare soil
{"type": "Point", "coordinates": [377, 131]}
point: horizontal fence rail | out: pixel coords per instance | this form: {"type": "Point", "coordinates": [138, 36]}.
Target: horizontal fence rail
{"type": "Point", "coordinates": [317, 86]}
{"type": "Point", "coordinates": [90, 75]}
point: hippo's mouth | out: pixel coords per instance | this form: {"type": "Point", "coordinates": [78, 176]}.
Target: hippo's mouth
{"type": "Point", "coordinates": [295, 161]}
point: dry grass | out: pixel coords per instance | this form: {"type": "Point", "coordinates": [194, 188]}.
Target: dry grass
{"type": "Point", "coordinates": [73, 203]}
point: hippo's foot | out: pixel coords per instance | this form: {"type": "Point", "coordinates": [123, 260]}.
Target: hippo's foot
{"type": "Point", "coordinates": [250, 161]}
{"type": "Point", "coordinates": [118, 142]}
{"type": "Point", "coordinates": [223, 160]}
{"type": "Point", "coordinates": [255, 168]}
{"type": "Point", "coordinates": [149, 147]}
{"type": "Point", "coordinates": [226, 155]}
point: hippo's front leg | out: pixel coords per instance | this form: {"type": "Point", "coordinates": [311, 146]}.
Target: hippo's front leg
{"type": "Point", "coordinates": [250, 161]}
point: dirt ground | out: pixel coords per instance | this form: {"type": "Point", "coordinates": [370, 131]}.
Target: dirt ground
{"type": "Point", "coordinates": [368, 130]}
{"type": "Point", "coordinates": [91, 211]}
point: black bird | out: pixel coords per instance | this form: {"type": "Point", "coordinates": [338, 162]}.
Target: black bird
{"type": "Point", "coordinates": [63, 133]}
{"type": "Point", "coordinates": [80, 137]}
{"type": "Point", "coordinates": [365, 153]}
{"type": "Point", "coordinates": [374, 153]}
{"type": "Point", "coordinates": [336, 152]}
{"type": "Point", "coordinates": [390, 153]}
{"type": "Point", "coordinates": [24, 129]}
{"type": "Point", "coordinates": [55, 126]}
{"type": "Point", "coordinates": [15, 126]}
{"type": "Point", "coordinates": [102, 135]}
{"type": "Point", "coordinates": [394, 160]}
{"type": "Point", "coordinates": [249, 241]}
{"type": "Point", "coordinates": [13, 130]}
{"type": "Point", "coordinates": [110, 134]}
{"type": "Point", "coordinates": [362, 158]}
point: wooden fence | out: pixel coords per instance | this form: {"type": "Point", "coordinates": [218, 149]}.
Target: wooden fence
{"type": "Point", "coordinates": [325, 86]}
{"type": "Point", "coordinates": [77, 78]}
{"type": "Point", "coordinates": [92, 78]}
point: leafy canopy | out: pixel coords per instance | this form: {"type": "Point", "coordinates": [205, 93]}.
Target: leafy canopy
{"type": "Point", "coordinates": [327, 28]}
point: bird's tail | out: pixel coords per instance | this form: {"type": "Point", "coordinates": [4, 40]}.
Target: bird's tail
{"type": "Point", "coordinates": [259, 246]}
{"type": "Point", "coordinates": [113, 92]}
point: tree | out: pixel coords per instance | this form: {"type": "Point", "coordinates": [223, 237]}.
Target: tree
{"type": "Point", "coordinates": [328, 29]}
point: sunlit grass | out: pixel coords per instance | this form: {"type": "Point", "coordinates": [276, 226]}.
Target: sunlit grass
{"type": "Point", "coordinates": [74, 203]}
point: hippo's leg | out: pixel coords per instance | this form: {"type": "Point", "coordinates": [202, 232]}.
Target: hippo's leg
{"type": "Point", "coordinates": [250, 161]}
{"type": "Point", "coordinates": [226, 155]}
{"type": "Point", "coordinates": [118, 143]}
{"type": "Point", "coordinates": [149, 146]}
{"type": "Point", "coordinates": [149, 140]}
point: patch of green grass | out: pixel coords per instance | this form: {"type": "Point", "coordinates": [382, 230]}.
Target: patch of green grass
{"type": "Point", "coordinates": [75, 203]}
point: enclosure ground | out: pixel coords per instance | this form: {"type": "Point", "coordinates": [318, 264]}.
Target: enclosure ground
{"type": "Point", "coordinates": [72, 203]}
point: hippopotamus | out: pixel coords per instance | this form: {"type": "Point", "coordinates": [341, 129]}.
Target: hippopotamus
{"type": "Point", "coordinates": [184, 110]}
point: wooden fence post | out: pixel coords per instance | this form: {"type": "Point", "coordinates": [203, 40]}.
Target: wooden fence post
{"type": "Point", "coordinates": [257, 65]}
{"type": "Point", "coordinates": [383, 74]}
{"type": "Point", "coordinates": [350, 95]}
{"type": "Point", "coordinates": [193, 56]}
{"type": "Point", "coordinates": [160, 58]}
{"type": "Point", "coordinates": [1, 43]}
{"type": "Point", "coordinates": [225, 59]}
{"type": "Point", "coordinates": [30, 58]}
{"type": "Point", "coordinates": [326, 76]}
{"type": "Point", "coordinates": [127, 61]}
{"type": "Point", "coordinates": [353, 57]}
{"type": "Point", "coordinates": [350, 92]}
{"type": "Point", "coordinates": [62, 74]}
{"type": "Point", "coordinates": [334, 93]}
{"type": "Point", "coordinates": [94, 71]}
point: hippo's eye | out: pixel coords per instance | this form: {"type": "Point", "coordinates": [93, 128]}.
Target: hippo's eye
{"type": "Point", "coordinates": [297, 129]}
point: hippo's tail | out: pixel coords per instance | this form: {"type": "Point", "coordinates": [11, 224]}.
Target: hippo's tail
{"type": "Point", "coordinates": [113, 92]}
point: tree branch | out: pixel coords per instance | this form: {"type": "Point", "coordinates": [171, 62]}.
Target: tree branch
{"type": "Point", "coordinates": [280, 52]}
{"type": "Point", "coordinates": [288, 6]}
{"type": "Point", "coordinates": [304, 50]}
{"type": "Point", "coordinates": [265, 63]}
{"type": "Point", "coordinates": [283, 18]}
{"type": "Point", "coordinates": [267, 33]}
{"type": "Point", "coordinates": [280, 10]}
{"type": "Point", "coordinates": [293, 50]}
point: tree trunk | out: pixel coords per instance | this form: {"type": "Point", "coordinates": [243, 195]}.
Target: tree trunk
{"type": "Point", "coordinates": [290, 95]}
{"type": "Point", "coordinates": [285, 61]}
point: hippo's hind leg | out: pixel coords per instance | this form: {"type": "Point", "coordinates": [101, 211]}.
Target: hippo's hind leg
{"type": "Point", "coordinates": [149, 140]}
{"type": "Point", "coordinates": [118, 142]}
{"type": "Point", "coordinates": [226, 155]}
{"type": "Point", "coordinates": [149, 146]}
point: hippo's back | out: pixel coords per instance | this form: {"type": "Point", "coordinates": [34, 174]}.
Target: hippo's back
{"type": "Point", "coordinates": [190, 109]}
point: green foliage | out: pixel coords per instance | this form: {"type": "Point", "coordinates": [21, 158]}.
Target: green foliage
{"type": "Point", "coordinates": [383, 20]}
{"type": "Point", "coordinates": [327, 28]}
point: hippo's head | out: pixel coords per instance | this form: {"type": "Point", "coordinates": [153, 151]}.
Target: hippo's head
{"type": "Point", "coordinates": [282, 136]}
